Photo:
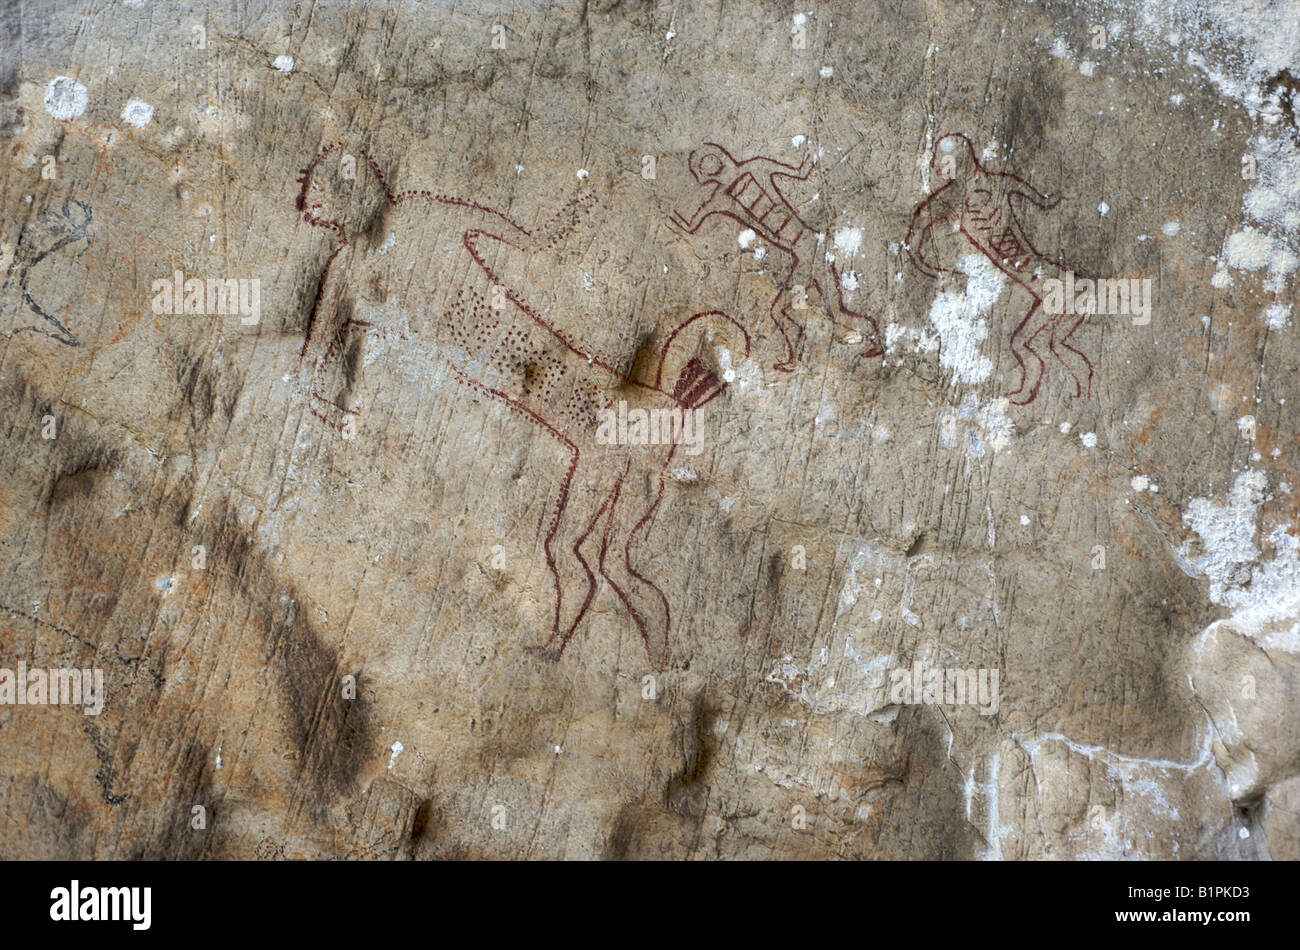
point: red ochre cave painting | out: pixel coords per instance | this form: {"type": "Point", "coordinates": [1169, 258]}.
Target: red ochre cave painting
{"type": "Point", "coordinates": [750, 192]}
{"type": "Point", "coordinates": [467, 316]}
{"type": "Point", "coordinates": [977, 204]}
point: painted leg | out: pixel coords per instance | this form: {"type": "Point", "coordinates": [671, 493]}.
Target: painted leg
{"type": "Point", "coordinates": [575, 582]}
{"type": "Point", "coordinates": [645, 602]}
{"type": "Point", "coordinates": [782, 312]}
{"type": "Point", "coordinates": [1070, 323]}
{"type": "Point", "coordinates": [1031, 373]}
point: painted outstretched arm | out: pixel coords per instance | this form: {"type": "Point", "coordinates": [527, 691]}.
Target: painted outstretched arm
{"type": "Point", "coordinates": [1033, 195]}
{"type": "Point", "coordinates": [706, 208]}
{"type": "Point", "coordinates": [761, 170]}
{"type": "Point", "coordinates": [1022, 235]}
{"type": "Point", "coordinates": [563, 223]}
{"type": "Point", "coordinates": [505, 230]}
{"type": "Point", "coordinates": [915, 243]}
{"type": "Point", "coordinates": [773, 171]}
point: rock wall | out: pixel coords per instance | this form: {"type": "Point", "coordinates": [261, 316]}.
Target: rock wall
{"type": "Point", "coordinates": [646, 430]}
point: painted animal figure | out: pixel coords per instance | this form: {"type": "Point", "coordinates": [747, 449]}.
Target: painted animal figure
{"type": "Point", "coordinates": [40, 244]}
{"type": "Point", "coordinates": [977, 204]}
{"type": "Point", "coordinates": [750, 192]}
{"type": "Point", "coordinates": [452, 295]}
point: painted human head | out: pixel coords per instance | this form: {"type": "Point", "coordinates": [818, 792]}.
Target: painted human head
{"type": "Point", "coordinates": [711, 163]}
{"type": "Point", "coordinates": [341, 191]}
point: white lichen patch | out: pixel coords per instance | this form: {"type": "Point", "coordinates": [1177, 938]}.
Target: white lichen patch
{"type": "Point", "coordinates": [977, 429]}
{"type": "Point", "coordinates": [848, 241]}
{"type": "Point", "coordinates": [138, 113]}
{"type": "Point", "coordinates": [1250, 250]}
{"type": "Point", "coordinates": [1227, 532]}
{"type": "Point", "coordinates": [1240, 50]}
{"type": "Point", "coordinates": [841, 679]}
{"type": "Point", "coordinates": [65, 98]}
{"type": "Point", "coordinates": [961, 320]}
{"type": "Point", "coordinates": [1263, 594]}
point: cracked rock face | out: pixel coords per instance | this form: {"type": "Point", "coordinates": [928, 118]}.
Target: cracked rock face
{"type": "Point", "coordinates": [616, 430]}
